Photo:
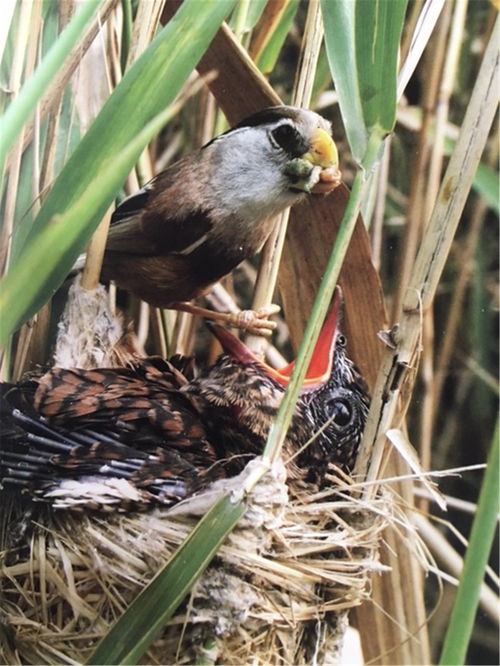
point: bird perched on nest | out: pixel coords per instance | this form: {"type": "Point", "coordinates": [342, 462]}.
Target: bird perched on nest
{"type": "Point", "coordinates": [134, 437]}
{"type": "Point", "coordinates": [201, 217]}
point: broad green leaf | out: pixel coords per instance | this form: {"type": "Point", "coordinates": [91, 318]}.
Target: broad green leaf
{"type": "Point", "coordinates": [378, 27]}
{"type": "Point", "coordinates": [148, 87]}
{"type": "Point", "coordinates": [142, 622]}
{"type": "Point", "coordinates": [64, 235]}
{"type": "Point", "coordinates": [252, 11]}
{"type": "Point", "coordinates": [486, 183]}
{"type": "Point", "coordinates": [362, 43]}
{"type": "Point", "coordinates": [23, 106]}
{"type": "Point", "coordinates": [338, 18]}
{"type": "Point", "coordinates": [476, 559]}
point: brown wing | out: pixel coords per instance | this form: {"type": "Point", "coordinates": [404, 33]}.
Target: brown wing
{"type": "Point", "coordinates": [106, 439]}
{"type": "Point", "coordinates": [141, 404]}
{"type": "Point", "coordinates": [81, 469]}
{"type": "Point", "coordinates": [162, 217]}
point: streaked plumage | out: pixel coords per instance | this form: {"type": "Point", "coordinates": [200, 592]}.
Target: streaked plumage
{"type": "Point", "coordinates": [78, 429]}
{"type": "Point", "coordinates": [145, 435]}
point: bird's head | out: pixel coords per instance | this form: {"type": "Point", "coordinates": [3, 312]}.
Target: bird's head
{"type": "Point", "coordinates": [270, 159]}
{"type": "Point", "coordinates": [333, 402]}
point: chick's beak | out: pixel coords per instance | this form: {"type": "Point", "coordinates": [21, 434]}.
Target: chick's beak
{"type": "Point", "coordinates": [323, 151]}
{"type": "Point", "coordinates": [320, 367]}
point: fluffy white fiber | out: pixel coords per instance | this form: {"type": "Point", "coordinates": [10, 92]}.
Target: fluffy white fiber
{"type": "Point", "coordinates": [88, 331]}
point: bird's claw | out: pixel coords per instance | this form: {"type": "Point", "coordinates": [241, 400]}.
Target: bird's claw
{"type": "Point", "coordinates": [251, 321]}
{"type": "Point", "coordinates": [255, 321]}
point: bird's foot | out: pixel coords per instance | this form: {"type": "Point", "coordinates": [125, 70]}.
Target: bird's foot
{"type": "Point", "coordinates": [255, 321]}
{"type": "Point", "coordinates": [251, 321]}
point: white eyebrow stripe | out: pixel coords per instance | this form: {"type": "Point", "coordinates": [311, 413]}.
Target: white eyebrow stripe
{"type": "Point", "coordinates": [234, 130]}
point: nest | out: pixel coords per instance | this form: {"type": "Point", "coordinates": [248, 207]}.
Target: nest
{"type": "Point", "coordinates": [277, 592]}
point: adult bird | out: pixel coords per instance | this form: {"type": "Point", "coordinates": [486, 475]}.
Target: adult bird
{"type": "Point", "coordinates": [132, 438]}
{"type": "Point", "coordinates": [202, 216]}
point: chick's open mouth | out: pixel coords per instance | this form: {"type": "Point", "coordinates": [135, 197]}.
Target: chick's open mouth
{"type": "Point", "coordinates": [320, 366]}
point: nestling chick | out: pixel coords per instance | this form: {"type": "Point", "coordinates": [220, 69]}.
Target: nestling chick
{"type": "Point", "coordinates": [196, 221]}
{"type": "Point", "coordinates": [245, 394]}
{"type": "Point", "coordinates": [117, 439]}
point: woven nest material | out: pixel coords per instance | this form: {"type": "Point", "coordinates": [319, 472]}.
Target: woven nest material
{"type": "Point", "coordinates": [276, 593]}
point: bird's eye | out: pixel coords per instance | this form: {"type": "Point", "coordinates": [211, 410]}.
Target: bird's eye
{"type": "Point", "coordinates": [289, 139]}
{"type": "Point", "coordinates": [341, 340]}
{"type": "Point", "coordinates": [340, 412]}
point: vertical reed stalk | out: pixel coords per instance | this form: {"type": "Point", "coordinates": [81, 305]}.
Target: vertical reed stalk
{"type": "Point", "coordinates": [301, 96]}
{"type": "Point", "coordinates": [429, 264]}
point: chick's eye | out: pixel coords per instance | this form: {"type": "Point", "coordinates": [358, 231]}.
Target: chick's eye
{"type": "Point", "coordinates": [289, 139]}
{"type": "Point", "coordinates": [340, 412]}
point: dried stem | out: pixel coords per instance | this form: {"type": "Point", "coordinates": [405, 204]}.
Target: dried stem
{"type": "Point", "coordinates": [145, 26]}
{"type": "Point", "coordinates": [409, 30]}
{"type": "Point", "coordinates": [414, 224]}
{"type": "Point", "coordinates": [266, 26]}
{"type": "Point", "coordinates": [95, 253]}
{"type": "Point", "coordinates": [430, 261]}
{"type": "Point", "coordinates": [59, 83]}
{"type": "Point", "coordinates": [16, 76]}
{"type": "Point", "coordinates": [417, 38]}
{"type": "Point", "coordinates": [467, 266]}
{"type": "Point", "coordinates": [435, 170]}
{"type": "Point", "coordinates": [301, 96]}
{"type": "Point", "coordinates": [92, 88]}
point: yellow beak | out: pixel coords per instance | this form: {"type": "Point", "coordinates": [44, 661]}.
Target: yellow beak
{"type": "Point", "coordinates": [323, 152]}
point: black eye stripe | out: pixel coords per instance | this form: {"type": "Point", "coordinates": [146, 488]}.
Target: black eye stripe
{"type": "Point", "coordinates": [289, 139]}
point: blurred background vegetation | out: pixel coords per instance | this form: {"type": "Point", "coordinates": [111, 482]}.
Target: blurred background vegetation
{"type": "Point", "coordinates": [453, 411]}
